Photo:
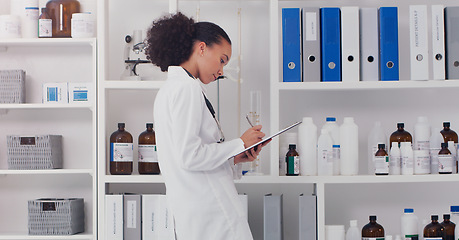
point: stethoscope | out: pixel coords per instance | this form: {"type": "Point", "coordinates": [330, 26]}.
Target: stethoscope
{"type": "Point", "coordinates": [211, 110]}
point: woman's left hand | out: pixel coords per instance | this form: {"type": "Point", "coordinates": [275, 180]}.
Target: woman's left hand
{"type": "Point", "coordinates": [251, 154]}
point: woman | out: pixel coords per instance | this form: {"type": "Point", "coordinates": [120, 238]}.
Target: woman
{"type": "Point", "coordinates": [194, 158]}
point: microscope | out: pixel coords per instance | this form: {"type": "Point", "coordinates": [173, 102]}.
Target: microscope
{"type": "Point", "coordinates": [134, 54]}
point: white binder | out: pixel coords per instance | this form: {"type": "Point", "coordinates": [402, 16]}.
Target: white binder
{"type": "Point", "coordinates": [369, 51]}
{"type": "Point", "coordinates": [350, 44]}
{"type": "Point", "coordinates": [419, 43]}
{"type": "Point", "coordinates": [272, 217]}
{"type": "Point", "coordinates": [114, 217]}
{"type": "Point", "coordinates": [157, 222]}
{"type": "Point", "coordinates": [438, 42]}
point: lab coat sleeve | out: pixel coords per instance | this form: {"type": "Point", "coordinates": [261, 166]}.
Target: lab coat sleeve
{"type": "Point", "coordinates": [187, 115]}
{"type": "Point", "coordinates": [237, 169]}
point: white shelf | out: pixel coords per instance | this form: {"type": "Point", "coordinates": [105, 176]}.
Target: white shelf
{"type": "Point", "coordinates": [370, 85]}
{"type": "Point", "coordinates": [45, 106]}
{"type": "Point", "coordinates": [133, 179]}
{"type": "Point", "coordinates": [11, 236]}
{"type": "Point", "coordinates": [132, 85]}
{"type": "Point", "coordinates": [47, 172]}
{"type": "Point", "coordinates": [47, 42]}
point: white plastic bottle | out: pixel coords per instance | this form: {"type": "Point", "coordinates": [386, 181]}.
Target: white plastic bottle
{"type": "Point", "coordinates": [435, 145]}
{"type": "Point", "coordinates": [455, 219]}
{"type": "Point", "coordinates": [349, 139]}
{"type": "Point", "coordinates": [375, 137]}
{"type": "Point", "coordinates": [409, 224]}
{"type": "Point", "coordinates": [406, 151]}
{"type": "Point", "coordinates": [307, 143]}
{"type": "Point", "coordinates": [421, 162]}
{"type": "Point", "coordinates": [324, 154]}
{"type": "Point", "coordinates": [395, 159]}
{"type": "Point", "coordinates": [353, 233]}
{"type": "Point", "coordinates": [453, 149]}
{"type": "Point", "coordinates": [422, 134]}
{"type": "Point", "coordinates": [333, 130]}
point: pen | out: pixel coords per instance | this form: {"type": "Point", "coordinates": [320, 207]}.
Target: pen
{"type": "Point", "coordinates": [248, 119]}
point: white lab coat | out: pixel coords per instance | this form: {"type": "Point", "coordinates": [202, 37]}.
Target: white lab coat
{"type": "Point", "coordinates": [198, 172]}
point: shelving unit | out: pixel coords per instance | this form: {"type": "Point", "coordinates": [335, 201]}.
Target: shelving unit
{"type": "Point", "coordinates": [50, 60]}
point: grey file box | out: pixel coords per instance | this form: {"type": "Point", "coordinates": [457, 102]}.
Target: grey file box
{"type": "Point", "coordinates": [452, 42]}
{"type": "Point", "coordinates": [272, 217]}
{"type": "Point", "coordinates": [311, 44]}
{"type": "Point", "coordinates": [52, 216]}
{"type": "Point", "coordinates": [307, 217]}
{"type": "Point", "coordinates": [12, 86]}
{"type": "Point", "coordinates": [132, 216]}
{"type": "Point", "coordinates": [369, 44]}
{"type": "Point", "coordinates": [34, 152]}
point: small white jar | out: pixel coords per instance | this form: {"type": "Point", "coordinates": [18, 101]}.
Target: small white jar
{"type": "Point", "coordinates": [83, 25]}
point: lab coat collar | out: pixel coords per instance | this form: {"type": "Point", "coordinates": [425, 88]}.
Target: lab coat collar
{"type": "Point", "coordinates": [177, 72]}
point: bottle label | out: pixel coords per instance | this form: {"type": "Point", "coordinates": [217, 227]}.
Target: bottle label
{"type": "Point", "coordinates": [121, 152]}
{"type": "Point", "coordinates": [45, 28]}
{"type": "Point", "coordinates": [445, 163]}
{"type": "Point", "coordinates": [147, 153]}
{"type": "Point", "coordinates": [381, 164]}
{"type": "Point", "coordinates": [409, 236]}
{"type": "Point", "coordinates": [422, 145]}
{"type": "Point", "coordinates": [293, 165]}
{"type": "Point", "coordinates": [365, 238]}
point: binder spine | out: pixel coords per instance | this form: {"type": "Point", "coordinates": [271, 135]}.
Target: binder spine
{"type": "Point", "coordinates": [438, 42]}
{"type": "Point", "coordinates": [331, 44]}
{"type": "Point", "coordinates": [350, 44]}
{"type": "Point", "coordinates": [388, 42]}
{"type": "Point", "coordinates": [419, 43]}
{"type": "Point", "coordinates": [291, 45]}
{"type": "Point", "coordinates": [452, 42]}
{"type": "Point", "coordinates": [311, 44]}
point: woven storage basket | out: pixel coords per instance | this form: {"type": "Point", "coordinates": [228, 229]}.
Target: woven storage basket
{"type": "Point", "coordinates": [34, 152]}
{"type": "Point", "coordinates": [52, 216]}
{"type": "Point", "coordinates": [12, 86]}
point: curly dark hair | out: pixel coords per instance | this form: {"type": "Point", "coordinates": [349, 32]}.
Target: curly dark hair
{"type": "Point", "coordinates": [170, 39]}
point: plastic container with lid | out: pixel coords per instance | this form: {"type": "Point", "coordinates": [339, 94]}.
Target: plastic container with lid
{"type": "Point", "coordinates": [409, 224]}
{"type": "Point", "coordinates": [83, 25]}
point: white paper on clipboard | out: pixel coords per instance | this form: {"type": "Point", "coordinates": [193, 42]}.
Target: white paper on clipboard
{"type": "Point", "coordinates": [270, 137]}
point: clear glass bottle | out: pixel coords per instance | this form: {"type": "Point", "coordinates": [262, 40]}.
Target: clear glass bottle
{"type": "Point", "coordinates": [433, 230]}
{"type": "Point", "coordinates": [45, 24]}
{"type": "Point", "coordinates": [148, 158]}
{"type": "Point", "coordinates": [293, 161]}
{"type": "Point", "coordinates": [373, 230]}
{"type": "Point", "coordinates": [121, 151]}
{"type": "Point", "coordinates": [61, 12]}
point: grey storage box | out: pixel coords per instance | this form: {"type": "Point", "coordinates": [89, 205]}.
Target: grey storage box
{"type": "Point", "coordinates": [12, 86]}
{"type": "Point", "coordinates": [52, 216]}
{"type": "Point", "coordinates": [34, 152]}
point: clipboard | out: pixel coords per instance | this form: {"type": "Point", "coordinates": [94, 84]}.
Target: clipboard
{"type": "Point", "coordinates": [270, 137]}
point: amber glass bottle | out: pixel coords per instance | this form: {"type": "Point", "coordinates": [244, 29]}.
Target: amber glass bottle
{"type": "Point", "coordinates": [45, 24]}
{"type": "Point", "coordinates": [448, 134]}
{"type": "Point", "coordinates": [448, 227]}
{"type": "Point", "coordinates": [381, 160]}
{"type": "Point", "coordinates": [433, 230]}
{"type": "Point", "coordinates": [400, 135]}
{"type": "Point", "coordinates": [293, 161]}
{"type": "Point", "coordinates": [121, 151]}
{"type": "Point", "coordinates": [445, 160]}
{"type": "Point", "coordinates": [373, 230]}
{"type": "Point", "coordinates": [148, 158]}
{"type": "Point", "coordinates": [61, 12]}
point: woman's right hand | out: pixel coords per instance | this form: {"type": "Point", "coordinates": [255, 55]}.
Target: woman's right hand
{"type": "Point", "coordinates": [252, 136]}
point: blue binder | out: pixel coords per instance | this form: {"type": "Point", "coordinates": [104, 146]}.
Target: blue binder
{"type": "Point", "coordinates": [388, 42]}
{"type": "Point", "coordinates": [330, 44]}
{"type": "Point", "coordinates": [291, 45]}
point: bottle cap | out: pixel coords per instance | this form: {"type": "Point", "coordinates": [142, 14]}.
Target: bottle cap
{"type": "Point", "coordinates": [149, 125]}
{"type": "Point", "coordinates": [422, 119]}
{"type": "Point", "coordinates": [292, 146]}
{"type": "Point", "coordinates": [446, 216]}
{"type": "Point", "coordinates": [444, 145]}
{"type": "Point", "coordinates": [353, 223]}
{"type": "Point", "coordinates": [414, 237]}
{"type": "Point", "coordinates": [400, 125]}
{"type": "Point", "coordinates": [446, 124]}
{"type": "Point", "coordinates": [372, 218]}
{"type": "Point", "coordinates": [381, 145]}
{"type": "Point", "coordinates": [408, 210]}
{"type": "Point", "coordinates": [121, 125]}
{"type": "Point", "coordinates": [336, 146]}
{"type": "Point", "coordinates": [348, 119]}
{"type": "Point", "coordinates": [308, 120]}
{"type": "Point", "coordinates": [394, 144]}
{"type": "Point", "coordinates": [434, 217]}
{"type": "Point", "coordinates": [454, 208]}
{"type": "Point", "coordinates": [330, 119]}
